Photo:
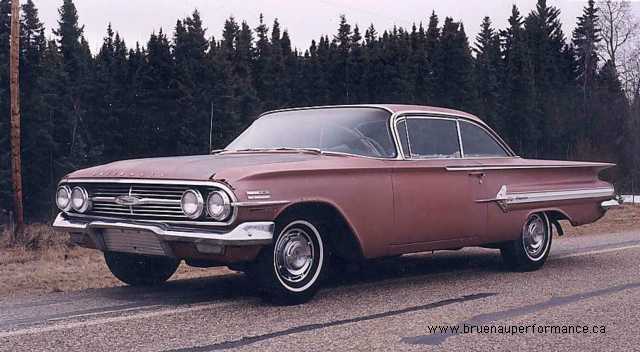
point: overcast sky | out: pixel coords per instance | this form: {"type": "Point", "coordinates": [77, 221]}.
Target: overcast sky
{"type": "Point", "coordinates": [305, 20]}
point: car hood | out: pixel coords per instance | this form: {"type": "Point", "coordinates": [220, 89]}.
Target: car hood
{"type": "Point", "coordinates": [196, 167]}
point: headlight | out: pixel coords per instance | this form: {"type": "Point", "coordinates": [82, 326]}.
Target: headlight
{"type": "Point", "coordinates": [192, 203]}
{"type": "Point", "coordinates": [218, 205]}
{"type": "Point", "coordinates": [79, 199]}
{"type": "Point", "coordinates": [63, 198]}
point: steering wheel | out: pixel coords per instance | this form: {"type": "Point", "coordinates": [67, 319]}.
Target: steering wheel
{"type": "Point", "coordinates": [375, 146]}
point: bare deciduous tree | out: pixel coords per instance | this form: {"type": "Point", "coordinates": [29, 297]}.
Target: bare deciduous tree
{"type": "Point", "coordinates": [619, 27]}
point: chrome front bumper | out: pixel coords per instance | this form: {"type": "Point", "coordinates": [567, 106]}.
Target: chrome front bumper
{"type": "Point", "coordinates": [154, 238]}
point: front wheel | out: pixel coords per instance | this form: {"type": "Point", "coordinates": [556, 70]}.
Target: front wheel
{"type": "Point", "coordinates": [531, 249]}
{"type": "Point", "coordinates": [140, 270]}
{"type": "Point", "coordinates": [290, 270]}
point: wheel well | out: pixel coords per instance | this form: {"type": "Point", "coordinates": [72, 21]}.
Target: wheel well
{"type": "Point", "coordinates": [554, 219]}
{"type": "Point", "coordinates": [341, 237]}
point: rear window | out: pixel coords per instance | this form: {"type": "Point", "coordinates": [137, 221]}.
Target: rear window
{"type": "Point", "coordinates": [476, 142]}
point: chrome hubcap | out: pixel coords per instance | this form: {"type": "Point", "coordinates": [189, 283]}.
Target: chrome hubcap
{"type": "Point", "coordinates": [534, 236]}
{"type": "Point", "coordinates": [294, 255]}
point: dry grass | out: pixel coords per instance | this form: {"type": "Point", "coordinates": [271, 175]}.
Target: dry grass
{"type": "Point", "coordinates": [626, 218]}
{"type": "Point", "coordinates": [44, 261]}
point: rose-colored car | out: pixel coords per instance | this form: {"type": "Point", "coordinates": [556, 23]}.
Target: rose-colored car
{"type": "Point", "coordinates": [302, 187]}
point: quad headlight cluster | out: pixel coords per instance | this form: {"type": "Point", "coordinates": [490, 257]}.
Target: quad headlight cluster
{"type": "Point", "coordinates": [217, 207]}
{"type": "Point", "coordinates": [76, 199]}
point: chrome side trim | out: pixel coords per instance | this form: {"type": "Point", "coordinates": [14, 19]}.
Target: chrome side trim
{"type": "Point", "coordinates": [260, 203]}
{"type": "Point", "coordinates": [259, 194]}
{"type": "Point", "coordinates": [247, 233]}
{"type": "Point", "coordinates": [517, 167]}
{"type": "Point", "coordinates": [504, 199]}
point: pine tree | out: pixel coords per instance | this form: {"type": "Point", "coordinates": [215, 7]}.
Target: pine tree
{"type": "Point", "coordinates": [157, 100]}
{"type": "Point", "coordinates": [553, 76]}
{"type": "Point", "coordinates": [6, 195]}
{"type": "Point", "coordinates": [487, 69]}
{"type": "Point", "coordinates": [70, 132]}
{"type": "Point", "coordinates": [420, 66]}
{"type": "Point", "coordinates": [610, 111]}
{"type": "Point", "coordinates": [453, 69]}
{"type": "Point", "coordinates": [263, 82]}
{"type": "Point", "coordinates": [191, 85]}
{"type": "Point", "coordinates": [342, 65]}
{"type": "Point", "coordinates": [586, 37]}
{"type": "Point", "coordinates": [243, 63]}
{"type": "Point", "coordinates": [37, 141]}
{"type": "Point", "coordinates": [517, 92]}
{"type": "Point", "coordinates": [359, 73]}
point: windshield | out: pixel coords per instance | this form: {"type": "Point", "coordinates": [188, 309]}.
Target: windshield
{"type": "Point", "coordinates": [360, 131]}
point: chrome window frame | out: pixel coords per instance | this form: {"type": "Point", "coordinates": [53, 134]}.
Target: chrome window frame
{"type": "Point", "coordinates": [406, 117]}
{"type": "Point", "coordinates": [160, 182]}
{"type": "Point", "coordinates": [500, 142]}
{"type": "Point", "coordinates": [427, 115]}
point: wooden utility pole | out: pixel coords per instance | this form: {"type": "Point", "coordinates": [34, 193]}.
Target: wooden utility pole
{"type": "Point", "coordinates": [14, 65]}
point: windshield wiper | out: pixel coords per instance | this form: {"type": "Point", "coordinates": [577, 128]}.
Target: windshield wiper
{"type": "Point", "coordinates": [303, 150]}
{"type": "Point", "coordinates": [311, 150]}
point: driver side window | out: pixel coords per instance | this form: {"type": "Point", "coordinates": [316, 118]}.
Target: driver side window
{"type": "Point", "coordinates": [424, 138]}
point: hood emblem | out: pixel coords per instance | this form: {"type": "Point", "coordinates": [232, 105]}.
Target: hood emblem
{"type": "Point", "coordinates": [128, 200]}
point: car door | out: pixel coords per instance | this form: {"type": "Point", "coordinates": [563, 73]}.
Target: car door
{"type": "Point", "coordinates": [435, 204]}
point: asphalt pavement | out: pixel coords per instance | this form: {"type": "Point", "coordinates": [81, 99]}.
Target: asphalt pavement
{"type": "Point", "coordinates": [586, 297]}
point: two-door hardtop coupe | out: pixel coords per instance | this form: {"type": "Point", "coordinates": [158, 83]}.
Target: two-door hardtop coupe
{"type": "Point", "coordinates": [302, 186]}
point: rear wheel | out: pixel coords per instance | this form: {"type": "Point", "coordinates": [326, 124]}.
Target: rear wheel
{"type": "Point", "coordinates": [291, 269]}
{"type": "Point", "coordinates": [140, 270]}
{"type": "Point", "coordinates": [531, 249]}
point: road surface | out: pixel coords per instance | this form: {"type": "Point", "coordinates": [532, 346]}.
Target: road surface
{"type": "Point", "coordinates": [587, 297]}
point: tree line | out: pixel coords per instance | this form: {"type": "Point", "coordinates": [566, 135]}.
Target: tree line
{"type": "Point", "coordinates": [548, 94]}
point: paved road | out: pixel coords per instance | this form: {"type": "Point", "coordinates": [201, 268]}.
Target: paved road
{"type": "Point", "coordinates": [589, 281]}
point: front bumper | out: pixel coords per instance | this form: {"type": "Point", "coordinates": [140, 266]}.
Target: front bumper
{"type": "Point", "coordinates": [161, 239]}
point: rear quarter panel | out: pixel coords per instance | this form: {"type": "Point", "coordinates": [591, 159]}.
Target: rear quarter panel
{"type": "Point", "coordinates": [507, 225]}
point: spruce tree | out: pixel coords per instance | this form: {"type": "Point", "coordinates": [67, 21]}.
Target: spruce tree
{"type": "Point", "coordinates": [553, 76]}
{"type": "Point", "coordinates": [488, 65]}
{"type": "Point", "coordinates": [191, 86]}
{"type": "Point", "coordinates": [37, 127]}
{"type": "Point", "coordinates": [586, 37]}
{"type": "Point", "coordinates": [517, 88]}
{"type": "Point", "coordinates": [70, 127]}
{"type": "Point", "coordinates": [6, 198]}
{"type": "Point", "coordinates": [453, 69]}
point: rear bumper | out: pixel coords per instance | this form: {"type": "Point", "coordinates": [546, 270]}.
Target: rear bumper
{"type": "Point", "coordinates": [159, 239]}
{"type": "Point", "coordinates": [610, 204]}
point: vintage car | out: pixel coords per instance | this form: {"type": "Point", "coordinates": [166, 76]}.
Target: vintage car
{"type": "Point", "coordinates": [302, 188]}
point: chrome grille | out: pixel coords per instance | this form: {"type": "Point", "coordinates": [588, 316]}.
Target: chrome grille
{"type": "Point", "coordinates": [155, 201]}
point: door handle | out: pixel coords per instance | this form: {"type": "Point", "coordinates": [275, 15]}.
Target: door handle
{"type": "Point", "coordinates": [479, 174]}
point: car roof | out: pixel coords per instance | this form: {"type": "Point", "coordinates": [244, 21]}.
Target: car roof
{"type": "Point", "coordinates": [395, 108]}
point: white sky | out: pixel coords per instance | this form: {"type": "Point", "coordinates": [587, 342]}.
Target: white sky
{"type": "Point", "coordinates": [305, 20]}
